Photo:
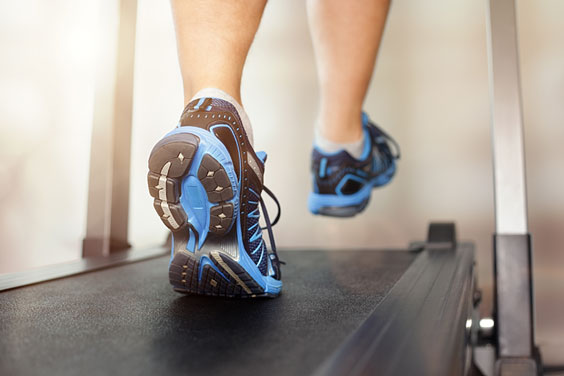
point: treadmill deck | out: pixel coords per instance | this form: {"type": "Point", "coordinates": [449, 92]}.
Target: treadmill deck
{"type": "Point", "coordinates": [127, 319]}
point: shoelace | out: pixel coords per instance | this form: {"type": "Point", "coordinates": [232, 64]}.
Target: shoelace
{"type": "Point", "coordinates": [269, 225]}
{"type": "Point", "coordinates": [381, 133]}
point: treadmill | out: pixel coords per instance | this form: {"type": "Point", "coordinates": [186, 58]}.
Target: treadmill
{"type": "Point", "coordinates": [364, 312]}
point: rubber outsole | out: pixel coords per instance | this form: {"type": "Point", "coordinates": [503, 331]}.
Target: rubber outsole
{"type": "Point", "coordinates": [343, 211]}
{"type": "Point", "coordinates": [213, 275]}
{"type": "Point", "coordinates": [169, 163]}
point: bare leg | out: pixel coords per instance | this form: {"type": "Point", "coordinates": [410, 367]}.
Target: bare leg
{"type": "Point", "coordinates": [213, 39]}
{"type": "Point", "coordinates": [346, 37]}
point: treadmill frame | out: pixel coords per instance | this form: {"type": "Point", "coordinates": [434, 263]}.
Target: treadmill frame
{"type": "Point", "coordinates": [110, 154]}
{"type": "Point", "coordinates": [513, 292]}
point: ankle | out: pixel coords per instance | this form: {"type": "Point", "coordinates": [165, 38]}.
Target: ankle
{"type": "Point", "coordinates": [340, 129]}
{"type": "Point", "coordinates": [355, 149]}
{"type": "Point", "coordinates": [194, 89]}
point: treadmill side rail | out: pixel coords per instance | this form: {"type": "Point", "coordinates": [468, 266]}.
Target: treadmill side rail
{"type": "Point", "coordinates": [422, 327]}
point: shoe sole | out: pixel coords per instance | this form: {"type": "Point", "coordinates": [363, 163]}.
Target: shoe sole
{"type": "Point", "coordinates": [343, 211]}
{"type": "Point", "coordinates": [189, 179]}
{"type": "Point", "coordinates": [333, 205]}
{"type": "Point", "coordinates": [214, 274]}
{"type": "Point", "coordinates": [169, 163]}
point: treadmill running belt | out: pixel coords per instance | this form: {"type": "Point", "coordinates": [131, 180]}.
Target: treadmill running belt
{"type": "Point", "coordinates": [127, 319]}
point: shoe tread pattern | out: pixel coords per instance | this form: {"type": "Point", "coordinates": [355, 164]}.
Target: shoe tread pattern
{"type": "Point", "coordinates": [170, 160]}
{"type": "Point", "coordinates": [184, 277]}
{"type": "Point", "coordinates": [169, 163]}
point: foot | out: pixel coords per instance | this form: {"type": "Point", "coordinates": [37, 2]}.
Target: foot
{"type": "Point", "coordinates": [207, 182]}
{"type": "Point", "coordinates": [342, 184]}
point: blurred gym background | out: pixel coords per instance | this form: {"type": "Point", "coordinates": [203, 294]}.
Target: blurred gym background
{"type": "Point", "coordinates": [430, 91]}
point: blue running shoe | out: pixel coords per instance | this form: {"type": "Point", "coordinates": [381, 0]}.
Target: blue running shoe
{"type": "Point", "coordinates": [207, 181]}
{"type": "Point", "coordinates": [342, 184]}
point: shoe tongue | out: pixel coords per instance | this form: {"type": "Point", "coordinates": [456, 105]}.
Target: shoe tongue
{"type": "Point", "coordinates": [262, 156]}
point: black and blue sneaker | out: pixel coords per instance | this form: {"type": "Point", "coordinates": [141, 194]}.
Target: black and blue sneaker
{"type": "Point", "coordinates": [206, 181]}
{"type": "Point", "coordinates": [342, 184]}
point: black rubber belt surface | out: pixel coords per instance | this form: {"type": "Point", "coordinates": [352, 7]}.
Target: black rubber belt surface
{"type": "Point", "coordinates": [127, 320]}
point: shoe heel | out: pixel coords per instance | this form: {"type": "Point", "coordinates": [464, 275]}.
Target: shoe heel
{"type": "Point", "coordinates": [169, 162]}
{"type": "Point", "coordinates": [193, 193]}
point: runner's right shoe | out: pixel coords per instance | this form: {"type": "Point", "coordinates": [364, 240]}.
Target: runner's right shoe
{"type": "Point", "coordinates": [207, 181]}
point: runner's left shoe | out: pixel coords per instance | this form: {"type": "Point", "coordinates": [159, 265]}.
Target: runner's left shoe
{"type": "Point", "coordinates": [342, 184]}
{"type": "Point", "coordinates": [207, 182]}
